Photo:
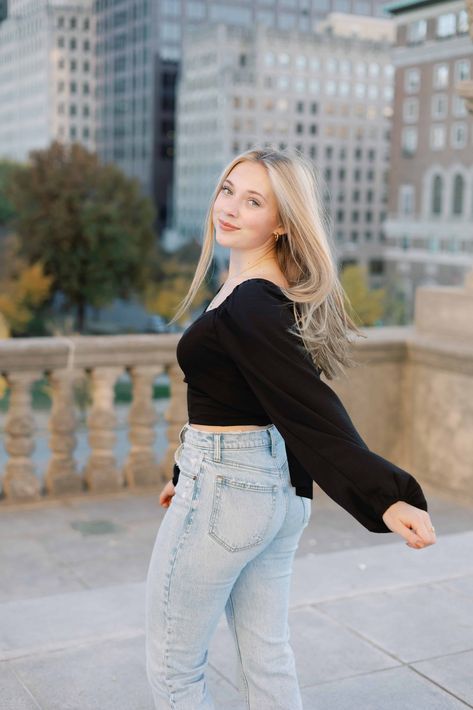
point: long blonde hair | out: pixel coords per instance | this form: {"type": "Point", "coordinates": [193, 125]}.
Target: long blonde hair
{"type": "Point", "coordinates": [304, 256]}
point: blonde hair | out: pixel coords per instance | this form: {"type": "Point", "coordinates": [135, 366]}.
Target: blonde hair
{"type": "Point", "coordinates": [303, 254]}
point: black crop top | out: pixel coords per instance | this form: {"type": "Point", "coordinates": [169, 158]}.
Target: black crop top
{"type": "Point", "coordinates": [242, 366]}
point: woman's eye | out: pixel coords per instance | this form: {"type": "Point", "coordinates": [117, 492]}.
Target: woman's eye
{"type": "Point", "coordinates": [250, 200]}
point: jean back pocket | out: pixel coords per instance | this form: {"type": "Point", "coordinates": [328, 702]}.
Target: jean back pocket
{"type": "Point", "coordinates": [242, 512]}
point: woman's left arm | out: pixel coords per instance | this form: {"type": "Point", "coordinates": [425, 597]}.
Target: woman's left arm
{"type": "Point", "coordinates": [252, 325]}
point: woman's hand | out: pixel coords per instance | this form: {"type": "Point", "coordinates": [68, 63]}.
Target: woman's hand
{"type": "Point", "coordinates": [413, 524]}
{"type": "Point", "coordinates": [166, 494]}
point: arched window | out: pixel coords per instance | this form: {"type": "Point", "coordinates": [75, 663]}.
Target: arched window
{"type": "Point", "coordinates": [458, 193]}
{"type": "Point", "coordinates": [437, 194]}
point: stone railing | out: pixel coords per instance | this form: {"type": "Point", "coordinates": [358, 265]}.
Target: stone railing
{"type": "Point", "coordinates": [411, 399]}
{"type": "Point", "coordinates": [101, 360]}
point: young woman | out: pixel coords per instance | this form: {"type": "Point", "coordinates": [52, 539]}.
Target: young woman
{"type": "Point", "coordinates": [262, 426]}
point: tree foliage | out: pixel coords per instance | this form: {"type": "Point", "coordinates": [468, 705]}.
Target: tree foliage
{"type": "Point", "coordinates": [23, 290]}
{"type": "Point", "coordinates": [6, 208]}
{"type": "Point", "coordinates": [171, 277]}
{"type": "Point", "coordinates": [365, 306]}
{"type": "Point", "coordinates": [87, 223]}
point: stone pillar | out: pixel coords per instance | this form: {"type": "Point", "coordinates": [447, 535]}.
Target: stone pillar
{"type": "Point", "coordinates": [101, 472]}
{"type": "Point", "coordinates": [141, 467]}
{"type": "Point", "coordinates": [20, 482]}
{"type": "Point", "coordinates": [176, 416]}
{"type": "Point", "coordinates": [61, 475]}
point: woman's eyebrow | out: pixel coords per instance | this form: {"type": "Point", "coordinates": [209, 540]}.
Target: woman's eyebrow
{"type": "Point", "coordinates": [252, 191]}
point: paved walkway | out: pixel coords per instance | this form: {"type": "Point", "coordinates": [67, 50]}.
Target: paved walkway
{"type": "Point", "coordinates": [375, 625]}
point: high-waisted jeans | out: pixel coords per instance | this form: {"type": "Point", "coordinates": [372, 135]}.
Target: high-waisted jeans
{"type": "Point", "coordinates": [226, 543]}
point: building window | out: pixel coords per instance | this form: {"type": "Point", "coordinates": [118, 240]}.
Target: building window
{"type": "Point", "coordinates": [437, 137]}
{"type": "Point", "coordinates": [406, 200]}
{"type": "Point", "coordinates": [376, 267]}
{"type": "Point", "coordinates": [462, 22]}
{"type": "Point", "coordinates": [439, 106]}
{"type": "Point", "coordinates": [458, 135]}
{"type": "Point", "coordinates": [330, 88]}
{"type": "Point", "coordinates": [458, 193]}
{"type": "Point", "coordinates": [462, 70]}
{"type": "Point", "coordinates": [60, 41]}
{"type": "Point", "coordinates": [409, 141]}
{"type": "Point", "coordinates": [437, 195]}
{"type": "Point", "coordinates": [459, 107]}
{"type": "Point", "coordinates": [360, 90]}
{"type": "Point", "coordinates": [440, 76]}
{"type": "Point", "coordinates": [446, 25]}
{"type": "Point", "coordinates": [410, 110]}
{"type": "Point", "coordinates": [416, 31]}
{"type": "Point", "coordinates": [412, 80]}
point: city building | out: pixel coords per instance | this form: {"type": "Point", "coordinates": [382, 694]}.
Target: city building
{"type": "Point", "coordinates": [429, 229]}
{"type": "Point", "coordinates": [327, 94]}
{"type": "Point", "coordinates": [46, 75]}
{"type": "Point", "coordinates": [139, 47]}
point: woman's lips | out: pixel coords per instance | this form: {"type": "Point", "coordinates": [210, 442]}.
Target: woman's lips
{"type": "Point", "coordinates": [227, 227]}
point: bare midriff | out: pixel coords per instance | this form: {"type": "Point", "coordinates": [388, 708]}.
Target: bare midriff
{"type": "Point", "coordinates": [236, 427]}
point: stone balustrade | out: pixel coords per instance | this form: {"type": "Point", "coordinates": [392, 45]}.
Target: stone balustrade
{"type": "Point", "coordinates": [66, 363]}
{"type": "Point", "coordinates": [411, 397]}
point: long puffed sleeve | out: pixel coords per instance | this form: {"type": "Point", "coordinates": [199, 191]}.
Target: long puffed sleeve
{"type": "Point", "coordinates": [252, 325]}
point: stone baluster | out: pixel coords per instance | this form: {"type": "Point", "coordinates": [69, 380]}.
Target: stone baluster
{"type": "Point", "coordinates": [175, 415]}
{"type": "Point", "coordinates": [61, 475]}
{"type": "Point", "coordinates": [141, 467]}
{"type": "Point", "coordinates": [20, 482]}
{"type": "Point", "coordinates": [101, 472]}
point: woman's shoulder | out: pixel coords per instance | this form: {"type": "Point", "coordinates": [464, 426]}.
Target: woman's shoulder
{"type": "Point", "coordinates": [255, 302]}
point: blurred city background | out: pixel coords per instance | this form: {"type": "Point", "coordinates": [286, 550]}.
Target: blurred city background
{"type": "Point", "coordinates": [116, 119]}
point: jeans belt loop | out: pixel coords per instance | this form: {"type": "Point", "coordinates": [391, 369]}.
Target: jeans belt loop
{"type": "Point", "coordinates": [217, 447]}
{"type": "Point", "coordinates": [181, 433]}
{"type": "Point", "coordinates": [272, 436]}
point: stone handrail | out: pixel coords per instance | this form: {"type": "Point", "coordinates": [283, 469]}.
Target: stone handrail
{"type": "Point", "coordinates": [100, 360]}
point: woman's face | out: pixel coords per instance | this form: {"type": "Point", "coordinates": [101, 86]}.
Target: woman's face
{"type": "Point", "coordinates": [246, 201]}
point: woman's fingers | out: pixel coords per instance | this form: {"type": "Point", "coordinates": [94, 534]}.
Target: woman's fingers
{"type": "Point", "coordinates": [418, 534]}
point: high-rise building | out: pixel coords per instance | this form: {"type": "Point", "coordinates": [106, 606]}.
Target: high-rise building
{"type": "Point", "coordinates": [3, 9]}
{"type": "Point", "coordinates": [328, 94]}
{"type": "Point", "coordinates": [139, 44]}
{"type": "Point", "coordinates": [430, 222]}
{"type": "Point", "coordinates": [46, 75]}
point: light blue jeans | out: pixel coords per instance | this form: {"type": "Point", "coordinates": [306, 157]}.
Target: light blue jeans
{"type": "Point", "coordinates": [226, 543]}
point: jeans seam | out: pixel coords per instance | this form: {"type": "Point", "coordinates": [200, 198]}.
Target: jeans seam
{"type": "Point", "coordinates": [245, 680]}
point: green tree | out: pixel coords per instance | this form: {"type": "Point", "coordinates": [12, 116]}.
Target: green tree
{"type": "Point", "coordinates": [87, 223]}
{"type": "Point", "coordinates": [365, 306]}
{"type": "Point", "coordinates": [6, 208]}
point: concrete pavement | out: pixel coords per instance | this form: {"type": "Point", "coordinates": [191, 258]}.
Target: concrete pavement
{"type": "Point", "coordinates": [374, 624]}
